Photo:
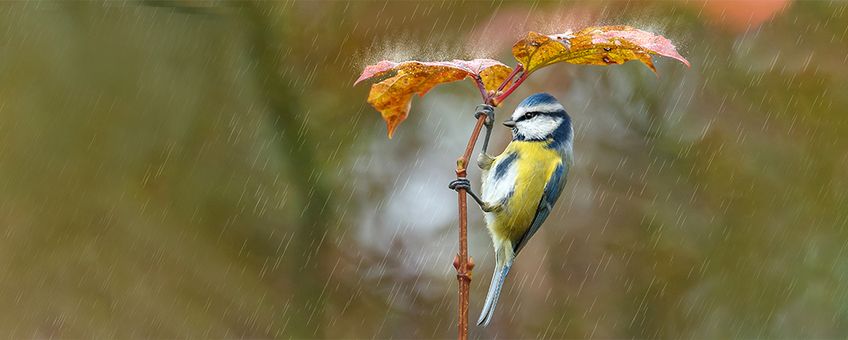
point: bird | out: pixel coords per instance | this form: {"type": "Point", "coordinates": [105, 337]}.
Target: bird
{"type": "Point", "coordinates": [520, 186]}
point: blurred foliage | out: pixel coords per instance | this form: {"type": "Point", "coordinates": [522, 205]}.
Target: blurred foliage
{"type": "Point", "coordinates": [206, 169]}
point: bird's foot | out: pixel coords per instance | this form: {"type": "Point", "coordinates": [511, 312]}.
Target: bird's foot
{"type": "Point", "coordinates": [463, 183]}
{"type": "Point", "coordinates": [484, 161]}
{"type": "Point", "coordinates": [487, 110]}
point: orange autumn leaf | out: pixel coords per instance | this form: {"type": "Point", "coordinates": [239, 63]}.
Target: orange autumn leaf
{"type": "Point", "coordinates": [599, 45]}
{"type": "Point", "coordinates": [392, 97]}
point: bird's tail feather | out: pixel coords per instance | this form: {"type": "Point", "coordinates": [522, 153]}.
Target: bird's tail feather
{"type": "Point", "coordinates": [502, 266]}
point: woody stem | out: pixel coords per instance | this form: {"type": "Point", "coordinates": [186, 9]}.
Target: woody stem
{"type": "Point", "coordinates": [462, 262]}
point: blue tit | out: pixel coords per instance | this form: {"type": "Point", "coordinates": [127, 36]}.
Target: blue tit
{"type": "Point", "coordinates": [521, 185]}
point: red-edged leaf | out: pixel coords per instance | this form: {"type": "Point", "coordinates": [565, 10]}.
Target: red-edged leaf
{"type": "Point", "coordinates": [601, 45]}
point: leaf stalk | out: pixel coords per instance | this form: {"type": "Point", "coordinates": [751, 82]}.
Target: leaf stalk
{"type": "Point", "coordinates": [500, 98]}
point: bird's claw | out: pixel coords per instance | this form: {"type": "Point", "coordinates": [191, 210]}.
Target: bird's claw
{"type": "Point", "coordinates": [460, 183]}
{"type": "Point", "coordinates": [487, 110]}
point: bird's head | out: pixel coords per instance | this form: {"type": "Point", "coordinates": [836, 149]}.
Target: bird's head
{"type": "Point", "coordinates": [540, 117]}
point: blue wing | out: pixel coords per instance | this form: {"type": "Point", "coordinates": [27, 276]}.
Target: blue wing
{"type": "Point", "coordinates": [552, 190]}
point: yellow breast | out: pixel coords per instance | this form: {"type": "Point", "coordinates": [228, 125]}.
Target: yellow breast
{"type": "Point", "coordinates": [535, 164]}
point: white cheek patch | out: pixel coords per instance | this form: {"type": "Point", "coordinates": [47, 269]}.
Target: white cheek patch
{"type": "Point", "coordinates": [549, 107]}
{"type": "Point", "coordinates": [538, 127]}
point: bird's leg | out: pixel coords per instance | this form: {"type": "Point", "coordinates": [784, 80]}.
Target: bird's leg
{"type": "Point", "coordinates": [463, 183]}
{"type": "Point", "coordinates": [484, 161]}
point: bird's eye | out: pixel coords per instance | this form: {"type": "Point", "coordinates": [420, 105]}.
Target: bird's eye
{"type": "Point", "coordinates": [529, 115]}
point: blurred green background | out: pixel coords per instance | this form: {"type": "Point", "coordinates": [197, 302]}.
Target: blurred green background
{"type": "Point", "coordinates": [207, 169]}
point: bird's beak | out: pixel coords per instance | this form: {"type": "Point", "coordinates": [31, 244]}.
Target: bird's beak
{"type": "Point", "coordinates": [510, 123]}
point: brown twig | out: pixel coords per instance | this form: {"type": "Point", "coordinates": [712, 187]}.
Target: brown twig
{"type": "Point", "coordinates": [462, 262]}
